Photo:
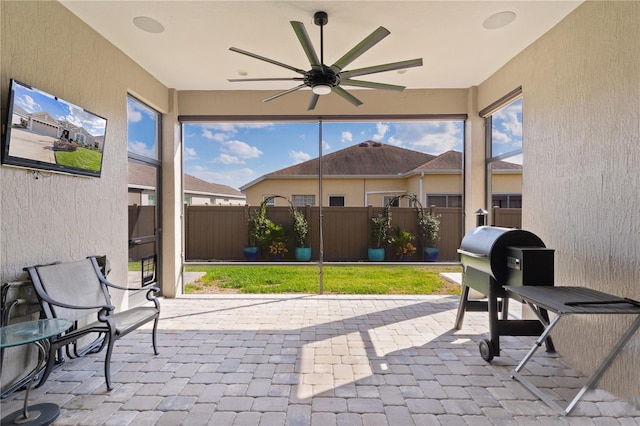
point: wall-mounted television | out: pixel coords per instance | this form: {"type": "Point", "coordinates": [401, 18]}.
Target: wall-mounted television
{"type": "Point", "coordinates": [47, 133]}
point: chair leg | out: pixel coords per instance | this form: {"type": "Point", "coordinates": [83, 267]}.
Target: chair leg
{"type": "Point", "coordinates": [153, 336]}
{"type": "Point", "coordinates": [107, 363]}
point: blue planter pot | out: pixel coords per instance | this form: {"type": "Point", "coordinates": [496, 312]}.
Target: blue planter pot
{"type": "Point", "coordinates": [251, 254]}
{"type": "Point", "coordinates": [303, 254]}
{"type": "Point", "coordinates": [376, 254]}
{"type": "Point", "coordinates": [430, 254]}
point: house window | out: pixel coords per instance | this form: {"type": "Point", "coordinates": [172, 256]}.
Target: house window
{"type": "Point", "coordinates": [143, 129]}
{"type": "Point", "coordinates": [444, 200]}
{"type": "Point", "coordinates": [336, 200]}
{"type": "Point", "coordinates": [303, 200]}
{"type": "Point", "coordinates": [503, 138]}
{"type": "Point", "coordinates": [270, 203]}
{"type": "Point", "coordinates": [387, 198]}
{"type": "Point", "coordinates": [507, 201]}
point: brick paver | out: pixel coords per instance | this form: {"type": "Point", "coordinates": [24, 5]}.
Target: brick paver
{"type": "Point", "coordinates": [317, 360]}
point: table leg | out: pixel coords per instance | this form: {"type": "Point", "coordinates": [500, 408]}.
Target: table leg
{"type": "Point", "coordinates": [40, 414]}
{"type": "Point", "coordinates": [591, 382]}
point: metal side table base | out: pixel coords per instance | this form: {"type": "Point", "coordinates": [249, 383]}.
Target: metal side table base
{"type": "Point", "coordinates": [38, 333]}
{"type": "Point", "coordinates": [39, 414]}
{"type": "Point", "coordinates": [573, 301]}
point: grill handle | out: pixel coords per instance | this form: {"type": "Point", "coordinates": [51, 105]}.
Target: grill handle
{"type": "Point", "coordinates": [470, 254]}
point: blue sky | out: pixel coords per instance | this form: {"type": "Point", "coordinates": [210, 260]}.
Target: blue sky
{"type": "Point", "coordinates": [34, 100]}
{"type": "Point", "coordinates": [235, 154]}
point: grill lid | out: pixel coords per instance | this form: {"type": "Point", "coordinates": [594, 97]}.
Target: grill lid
{"type": "Point", "coordinates": [484, 248]}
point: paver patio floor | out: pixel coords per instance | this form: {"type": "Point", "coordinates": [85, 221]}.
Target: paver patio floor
{"type": "Point", "coordinates": [317, 360]}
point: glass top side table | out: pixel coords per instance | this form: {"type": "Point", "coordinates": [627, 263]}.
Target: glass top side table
{"type": "Point", "coordinates": [37, 332]}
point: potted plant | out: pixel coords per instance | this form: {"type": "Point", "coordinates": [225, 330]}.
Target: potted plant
{"type": "Point", "coordinates": [401, 240]}
{"type": "Point", "coordinates": [256, 226]}
{"type": "Point", "coordinates": [429, 229]}
{"type": "Point", "coordinates": [276, 236]}
{"type": "Point", "coordinates": [379, 232]}
{"type": "Point", "coordinates": [301, 235]}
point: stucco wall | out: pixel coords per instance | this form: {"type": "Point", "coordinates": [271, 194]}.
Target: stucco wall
{"type": "Point", "coordinates": [581, 181]}
{"type": "Point", "coordinates": [61, 217]}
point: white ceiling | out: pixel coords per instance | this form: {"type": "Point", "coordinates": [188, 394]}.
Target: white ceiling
{"type": "Point", "coordinates": [193, 51]}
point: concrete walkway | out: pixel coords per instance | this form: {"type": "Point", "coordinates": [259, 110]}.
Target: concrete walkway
{"type": "Point", "coordinates": [317, 360]}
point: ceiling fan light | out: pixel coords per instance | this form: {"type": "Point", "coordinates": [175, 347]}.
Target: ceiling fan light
{"type": "Point", "coordinates": [321, 89]}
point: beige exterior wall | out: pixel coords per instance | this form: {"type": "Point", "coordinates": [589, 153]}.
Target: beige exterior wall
{"type": "Point", "coordinates": [581, 182]}
{"type": "Point", "coordinates": [249, 103]}
{"type": "Point", "coordinates": [506, 183]}
{"type": "Point", "coordinates": [63, 217]}
{"type": "Point", "coordinates": [360, 192]}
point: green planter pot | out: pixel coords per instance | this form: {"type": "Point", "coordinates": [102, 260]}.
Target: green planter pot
{"type": "Point", "coordinates": [431, 254]}
{"type": "Point", "coordinates": [303, 254]}
{"type": "Point", "coordinates": [376, 254]}
{"type": "Point", "coordinates": [251, 254]}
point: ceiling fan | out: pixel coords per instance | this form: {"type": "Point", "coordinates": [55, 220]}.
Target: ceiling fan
{"type": "Point", "coordinates": [323, 79]}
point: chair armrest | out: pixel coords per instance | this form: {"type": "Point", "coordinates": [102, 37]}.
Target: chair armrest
{"type": "Point", "coordinates": [51, 301]}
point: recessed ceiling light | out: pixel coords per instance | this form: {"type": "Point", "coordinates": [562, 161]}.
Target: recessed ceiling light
{"type": "Point", "coordinates": [499, 20]}
{"type": "Point", "coordinates": [147, 24]}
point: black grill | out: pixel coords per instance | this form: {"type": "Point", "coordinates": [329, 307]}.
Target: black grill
{"type": "Point", "coordinates": [493, 257]}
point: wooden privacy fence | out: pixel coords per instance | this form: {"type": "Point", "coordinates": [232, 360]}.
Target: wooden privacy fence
{"type": "Point", "coordinates": [220, 232]}
{"type": "Point", "coordinates": [142, 228]}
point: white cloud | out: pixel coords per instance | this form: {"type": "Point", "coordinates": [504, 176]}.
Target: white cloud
{"type": "Point", "coordinates": [325, 146]}
{"type": "Point", "coordinates": [28, 104]}
{"type": "Point", "coordinates": [138, 147]}
{"type": "Point", "coordinates": [381, 130]}
{"type": "Point", "coordinates": [228, 159]}
{"type": "Point", "coordinates": [346, 137]}
{"type": "Point", "coordinates": [135, 111]}
{"type": "Point", "coordinates": [394, 141]}
{"type": "Point", "coordinates": [233, 178]}
{"type": "Point", "coordinates": [133, 115]}
{"type": "Point", "coordinates": [217, 137]}
{"type": "Point", "coordinates": [299, 156]}
{"type": "Point", "coordinates": [190, 154]}
{"type": "Point", "coordinates": [508, 125]}
{"type": "Point", "coordinates": [241, 149]}
{"type": "Point", "coordinates": [433, 137]}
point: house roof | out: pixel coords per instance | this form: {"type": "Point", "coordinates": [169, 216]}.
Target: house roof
{"type": "Point", "coordinates": [452, 161]}
{"type": "Point", "coordinates": [366, 158]}
{"type": "Point", "coordinates": [141, 176]}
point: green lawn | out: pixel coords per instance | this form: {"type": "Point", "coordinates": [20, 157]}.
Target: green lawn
{"type": "Point", "coordinates": [336, 279]}
{"type": "Point", "coordinates": [83, 158]}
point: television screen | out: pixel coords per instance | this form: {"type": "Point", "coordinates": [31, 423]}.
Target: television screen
{"type": "Point", "coordinates": [48, 133]}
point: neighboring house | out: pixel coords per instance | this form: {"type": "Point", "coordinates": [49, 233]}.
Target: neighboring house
{"type": "Point", "coordinates": [142, 189]}
{"type": "Point", "coordinates": [371, 173]}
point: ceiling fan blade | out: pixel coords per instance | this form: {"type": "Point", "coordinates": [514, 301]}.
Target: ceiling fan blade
{"type": "Point", "coordinates": [305, 41]}
{"type": "Point", "coordinates": [360, 48]}
{"type": "Point", "coordinates": [266, 79]}
{"type": "Point", "coordinates": [271, 61]}
{"type": "Point", "coordinates": [284, 93]}
{"type": "Point", "coordinates": [382, 68]}
{"type": "Point", "coordinates": [346, 95]}
{"type": "Point", "coordinates": [371, 85]}
{"type": "Point", "coordinates": [313, 102]}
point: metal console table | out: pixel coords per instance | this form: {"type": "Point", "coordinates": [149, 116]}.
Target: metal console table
{"type": "Point", "coordinates": [573, 301]}
{"type": "Point", "coordinates": [37, 332]}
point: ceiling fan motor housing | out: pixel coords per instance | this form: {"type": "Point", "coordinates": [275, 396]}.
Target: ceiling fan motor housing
{"type": "Point", "coordinates": [325, 76]}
